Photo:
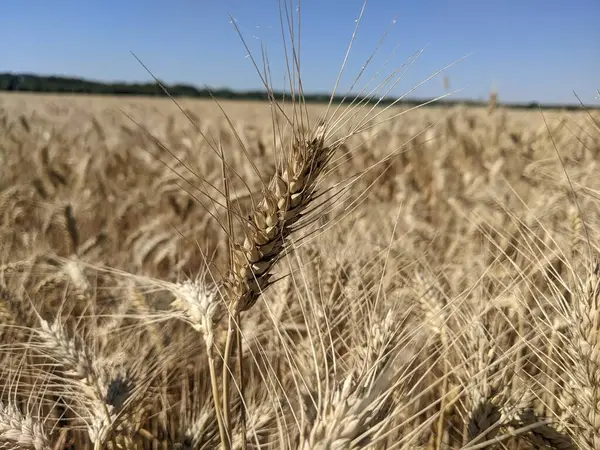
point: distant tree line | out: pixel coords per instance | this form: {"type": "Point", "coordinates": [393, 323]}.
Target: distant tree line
{"type": "Point", "coordinates": [63, 85]}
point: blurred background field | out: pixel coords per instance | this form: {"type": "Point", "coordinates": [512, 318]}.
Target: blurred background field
{"type": "Point", "coordinates": [463, 251]}
{"type": "Point", "coordinates": [94, 152]}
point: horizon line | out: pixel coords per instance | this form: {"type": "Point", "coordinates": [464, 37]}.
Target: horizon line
{"type": "Point", "coordinates": [193, 91]}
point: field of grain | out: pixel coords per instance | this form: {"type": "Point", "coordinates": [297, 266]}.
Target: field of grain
{"type": "Point", "coordinates": [428, 282]}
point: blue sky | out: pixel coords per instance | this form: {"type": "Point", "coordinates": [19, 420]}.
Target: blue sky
{"type": "Point", "coordinates": [530, 50]}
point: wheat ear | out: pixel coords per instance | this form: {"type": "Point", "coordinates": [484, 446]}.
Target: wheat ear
{"type": "Point", "coordinates": [19, 431]}
{"type": "Point", "coordinates": [105, 393]}
{"type": "Point", "coordinates": [283, 202]}
{"type": "Point", "coordinates": [274, 218]}
{"type": "Point", "coordinates": [581, 396]}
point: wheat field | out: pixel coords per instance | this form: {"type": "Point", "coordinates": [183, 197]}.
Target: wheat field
{"type": "Point", "coordinates": [194, 275]}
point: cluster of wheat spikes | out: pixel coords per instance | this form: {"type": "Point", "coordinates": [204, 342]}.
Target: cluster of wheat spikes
{"type": "Point", "coordinates": [315, 277]}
